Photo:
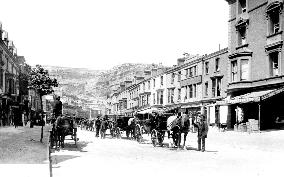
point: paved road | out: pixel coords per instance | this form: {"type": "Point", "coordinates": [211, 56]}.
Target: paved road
{"type": "Point", "coordinates": [225, 156]}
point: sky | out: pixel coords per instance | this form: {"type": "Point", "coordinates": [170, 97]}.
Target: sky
{"type": "Point", "coordinates": [100, 34]}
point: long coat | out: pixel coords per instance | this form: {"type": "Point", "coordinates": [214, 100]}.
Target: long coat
{"type": "Point", "coordinates": [202, 127]}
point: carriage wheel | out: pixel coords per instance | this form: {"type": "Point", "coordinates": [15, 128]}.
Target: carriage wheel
{"type": "Point", "coordinates": [138, 133]}
{"type": "Point", "coordinates": [154, 137]}
{"type": "Point", "coordinates": [161, 136]}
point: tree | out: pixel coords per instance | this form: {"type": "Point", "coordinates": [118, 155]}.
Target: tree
{"type": "Point", "coordinates": [40, 81]}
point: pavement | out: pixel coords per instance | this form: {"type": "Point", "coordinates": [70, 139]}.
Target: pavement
{"type": "Point", "coordinates": [22, 153]}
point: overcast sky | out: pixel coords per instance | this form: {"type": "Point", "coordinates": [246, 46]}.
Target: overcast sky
{"type": "Point", "coordinates": [100, 34]}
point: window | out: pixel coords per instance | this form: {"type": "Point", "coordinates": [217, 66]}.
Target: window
{"type": "Point", "coordinates": [154, 82]}
{"type": "Point", "coordinates": [186, 72]}
{"type": "Point", "coordinates": [218, 91]}
{"type": "Point", "coordinates": [244, 69]}
{"type": "Point", "coordinates": [154, 98]}
{"type": "Point", "coordinates": [242, 6]}
{"type": "Point", "coordinates": [170, 95]}
{"type": "Point", "coordinates": [190, 72]}
{"type": "Point", "coordinates": [144, 86]}
{"type": "Point", "coordinates": [162, 78]}
{"type": "Point", "coordinates": [194, 90]}
{"type": "Point", "coordinates": [179, 94]}
{"type": "Point", "coordinates": [190, 91]}
{"type": "Point", "coordinates": [179, 76]}
{"type": "Point", "coordinates": [186, 92]}
{"type": "Point", "coordinates": [216, 87]}
{"type": "Point", "coordinates": [273, 21]}
{"type": "Point", "coordinates": [149, 85]}
{"type": "Point", "coordinates": [274, 65]}
{"type": "Point", "coordinates": [173, 78]}
{"type": "Point", "coordinates": [234, 69]}
{"type": "Point", "coordinates": [206, 67]}
{"type": "Point", "coordinates": [206, 88]}
{"type": "Point", "coordinates": [213, 87]}
{"type": "Point", "coordinates": [242, 35]}
{"type": "Point", "coordinates": [217, 60]}
{"type": "Point", "coordinates": [194, 70]}
{"type": "Point", "coordinates": [162, 97]}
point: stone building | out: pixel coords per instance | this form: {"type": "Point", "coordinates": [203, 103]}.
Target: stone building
{"type": "Point", "coordinates": [255, 64]}
{"type": "Point", "coordinates": [9, 80]}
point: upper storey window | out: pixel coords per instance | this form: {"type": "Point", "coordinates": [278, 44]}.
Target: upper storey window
{"type": "Point", "coordinates": [242, 6]}
{"type": "Point", "coordinates": [273, 11]}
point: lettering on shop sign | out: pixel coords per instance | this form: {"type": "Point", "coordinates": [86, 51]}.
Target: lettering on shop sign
{"type": "Point", "coordinates": [193, 80]}
{"type": "Point", "coordinates": [270, 94]}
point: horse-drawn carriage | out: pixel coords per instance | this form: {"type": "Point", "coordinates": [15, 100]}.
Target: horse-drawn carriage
{"type": "Point", "coordinates": [121, 124]}
{"type": "Point", "coordinates": [62, 127]}
{"type": "Point", "coordinates": [160, 123]}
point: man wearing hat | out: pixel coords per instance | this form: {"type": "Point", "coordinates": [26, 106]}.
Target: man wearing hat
{"type": "Point", "coordinates": [57, 110]}
{"type": "Point", "coordinates": [202, 127]}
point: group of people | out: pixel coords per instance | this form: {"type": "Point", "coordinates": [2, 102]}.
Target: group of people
{"type": "Point", "coordinates": [99, 125]}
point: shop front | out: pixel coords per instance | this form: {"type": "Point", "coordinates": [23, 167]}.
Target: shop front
{"type": "Point", "coordinates": [254, 111]}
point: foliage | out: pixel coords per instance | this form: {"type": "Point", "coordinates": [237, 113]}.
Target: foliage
{"type": "Point", "coordinates": [40, 80]}
{"type": "Point", "coordinates": [24, 79]}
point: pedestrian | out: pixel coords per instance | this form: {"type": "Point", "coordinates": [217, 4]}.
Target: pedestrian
{"type": "Point", "coordinates": [202, 132]}
{"type": "Point", "coordinates": [98, 125]}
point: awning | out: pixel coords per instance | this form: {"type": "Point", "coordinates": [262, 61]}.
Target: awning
{"type": "Point", "coordinates": [251, 97]}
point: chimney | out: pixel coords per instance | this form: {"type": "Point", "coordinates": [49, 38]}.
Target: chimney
{"type": "Point", "coordinates": [147, 73]}
{"type": "Point", "coordinates": [154, 71]}
{"type": "Point", "coordinates": [180, 61]}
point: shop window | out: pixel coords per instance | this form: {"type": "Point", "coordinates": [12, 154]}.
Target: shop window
{"type": "Point", "coordinates": [274, 64]}
{"type": "Point", "coordinates": [244, 69]}
{"type": "Point", "coordinates": [234, 71]}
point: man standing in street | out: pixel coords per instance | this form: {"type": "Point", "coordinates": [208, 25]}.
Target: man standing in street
{"type": "Point", "coordinates": [97, 125]}
{"type": "Point", "coordinates": [202, 127]}
{"type": "Point", "coordinates": [57, 110]}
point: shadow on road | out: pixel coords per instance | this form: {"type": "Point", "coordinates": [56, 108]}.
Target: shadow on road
{"type": "Point", "coordinates": [61, 158]}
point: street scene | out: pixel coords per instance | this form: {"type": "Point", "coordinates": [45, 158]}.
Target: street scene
{"type": "Point", "coordinates": [248, 155]}
{"type": "Point", "coordinates": [157, 88]}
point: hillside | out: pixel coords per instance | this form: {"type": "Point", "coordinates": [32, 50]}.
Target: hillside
{"type": "Point", "coordinates": [86, 84]}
